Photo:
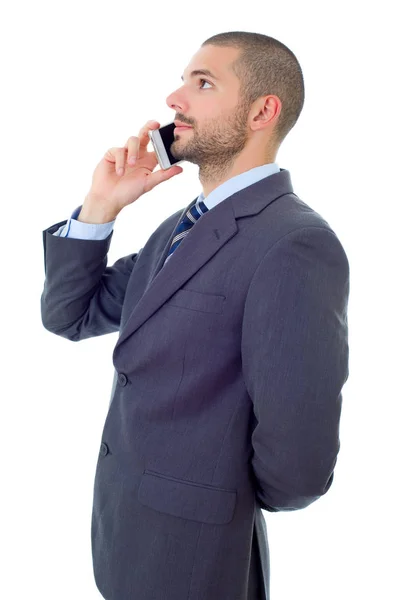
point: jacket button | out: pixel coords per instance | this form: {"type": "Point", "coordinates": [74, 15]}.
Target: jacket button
{"type": "Point", "coordinates": [122, 379]}
{"type": "Point", "coordinates": [104, 449]}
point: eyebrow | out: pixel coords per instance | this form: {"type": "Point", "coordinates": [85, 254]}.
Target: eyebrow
{"type": "Point", "coordinates": [205, 72]}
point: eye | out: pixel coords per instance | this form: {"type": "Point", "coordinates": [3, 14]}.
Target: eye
{"type": "Point", "coordinates": [205, 81]}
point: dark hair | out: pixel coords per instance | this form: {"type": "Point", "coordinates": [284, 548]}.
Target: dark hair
{"type": "Point", "coordinates": [266, 66]}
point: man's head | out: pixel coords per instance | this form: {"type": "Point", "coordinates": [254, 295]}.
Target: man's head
{"type": "Point", "coordinates": [240, 116]}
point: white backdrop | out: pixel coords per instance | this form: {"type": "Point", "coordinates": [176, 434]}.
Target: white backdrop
{"type": "Point", "coordinates": [81, 77]}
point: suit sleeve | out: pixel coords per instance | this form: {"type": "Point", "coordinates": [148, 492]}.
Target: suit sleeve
{"type": "Point", "coordinates": [295, 363]}
{"type": "Point", "coordinates": [82, 297]}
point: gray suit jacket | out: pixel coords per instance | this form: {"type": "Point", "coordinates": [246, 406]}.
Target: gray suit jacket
{"type": "Point", "coordinates": [227, 396]}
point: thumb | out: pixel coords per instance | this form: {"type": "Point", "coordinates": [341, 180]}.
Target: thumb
{"type": "Point", "coordinates": [162, 175]}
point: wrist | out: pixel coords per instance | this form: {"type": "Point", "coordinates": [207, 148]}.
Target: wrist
{"type": "Point", "coordinates": [93, 212]}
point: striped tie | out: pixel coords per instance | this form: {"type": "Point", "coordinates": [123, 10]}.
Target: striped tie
{"type": "Point", "coordinates": [193, 213]}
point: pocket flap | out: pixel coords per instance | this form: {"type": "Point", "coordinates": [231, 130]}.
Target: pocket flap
{"type": "Point", "coordinates": [185, 499]}
{"type": "Point", "coordinates": [197, 301]}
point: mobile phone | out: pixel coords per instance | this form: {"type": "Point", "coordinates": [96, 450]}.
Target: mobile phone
{"type": "Point", "coordinates": [162, 140]}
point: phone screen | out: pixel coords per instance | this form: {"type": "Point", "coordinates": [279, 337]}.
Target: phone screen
{"type": "Point", "coordinates": [167, 136]}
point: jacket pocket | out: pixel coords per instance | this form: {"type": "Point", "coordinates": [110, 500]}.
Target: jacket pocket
{"type": "Point", "coordinates": [197, 301]}
{"type": "Point", "coordinates": [186, 499]}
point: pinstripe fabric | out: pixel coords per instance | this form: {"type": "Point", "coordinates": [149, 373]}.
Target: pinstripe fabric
{"type": "Point", "coordinates": [193, 213]}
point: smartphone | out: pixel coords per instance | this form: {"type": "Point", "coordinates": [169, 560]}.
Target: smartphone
{"type": "Point", "coordinates": [162, 140]}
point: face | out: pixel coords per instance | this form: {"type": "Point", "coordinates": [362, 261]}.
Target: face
{"type": "Point", "coordinates": [211, 107]}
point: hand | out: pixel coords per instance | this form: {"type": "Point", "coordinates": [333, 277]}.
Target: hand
{"type": "Point", "coordinates": [114, 191]}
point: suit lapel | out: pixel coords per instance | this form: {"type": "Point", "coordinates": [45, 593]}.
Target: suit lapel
{"type": "Point", "coordinates": [208, 235]}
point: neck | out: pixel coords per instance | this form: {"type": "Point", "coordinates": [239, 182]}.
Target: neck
{"type": "Point", "coordinates": [212, 176]}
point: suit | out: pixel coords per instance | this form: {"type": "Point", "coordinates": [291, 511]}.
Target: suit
{"type": "Point", "coordinates": [227, 391]}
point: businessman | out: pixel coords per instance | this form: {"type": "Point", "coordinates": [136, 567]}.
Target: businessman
{"type": "Point", "coordinates": [233, 337]}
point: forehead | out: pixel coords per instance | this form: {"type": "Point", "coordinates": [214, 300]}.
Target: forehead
{"type": "Point", "coordinates": [213, 62]}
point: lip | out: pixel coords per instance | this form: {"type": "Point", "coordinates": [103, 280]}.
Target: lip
{"type": "Point", "coordinates": [181, 128]}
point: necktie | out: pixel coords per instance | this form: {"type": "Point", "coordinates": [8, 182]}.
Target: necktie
{"type": "Point", "coordinates": [192, 214]}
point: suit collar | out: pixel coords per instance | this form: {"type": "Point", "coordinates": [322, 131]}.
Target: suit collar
{"type": "Point", "coordinates": [238, 182]}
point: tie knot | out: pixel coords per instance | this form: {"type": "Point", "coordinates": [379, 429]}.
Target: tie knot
{"type": "Point", "coordinates": [196, 211]}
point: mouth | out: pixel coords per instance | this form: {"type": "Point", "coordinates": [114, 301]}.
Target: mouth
{"type": "Point", "coordinates": [181, 128]}
{"type": "Point", "coordinates": [181, 124]}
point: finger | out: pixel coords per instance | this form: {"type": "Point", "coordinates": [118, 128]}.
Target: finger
{"type": "Point", "coordinates": [144, 137]}
{"type": "Point", "coordinates": [120, 157]}
{"type": "Point", "coordinates": [157, 177]}
{"type": "Point", "coordinates": [136, 145]}
{"type": "Point", "coordinates": [110, 154]}
{"type": "Point", "coordinates": [131, 146]}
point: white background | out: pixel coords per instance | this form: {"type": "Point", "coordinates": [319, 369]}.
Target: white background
{"type": "Point", "coordinates": [81, 77]}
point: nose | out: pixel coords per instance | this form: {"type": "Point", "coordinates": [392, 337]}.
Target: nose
{"type": "Point", "coordinates": [175, 103]}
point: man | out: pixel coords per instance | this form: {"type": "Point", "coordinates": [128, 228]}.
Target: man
{"type": "Point", "coordinates": [233, 338]}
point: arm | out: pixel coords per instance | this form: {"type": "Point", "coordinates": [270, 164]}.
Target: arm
{"type": "Point", "coordinates": [295, 363]}
{"type": "Point", "coordinates": [82, 297]}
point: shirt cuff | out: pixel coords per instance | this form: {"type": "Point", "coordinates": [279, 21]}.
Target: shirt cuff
{"type": "Point", "coordinates": [84, 231]}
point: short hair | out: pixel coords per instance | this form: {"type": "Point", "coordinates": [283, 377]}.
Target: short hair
{"type": "Point", "coordinates": [266, 66]}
